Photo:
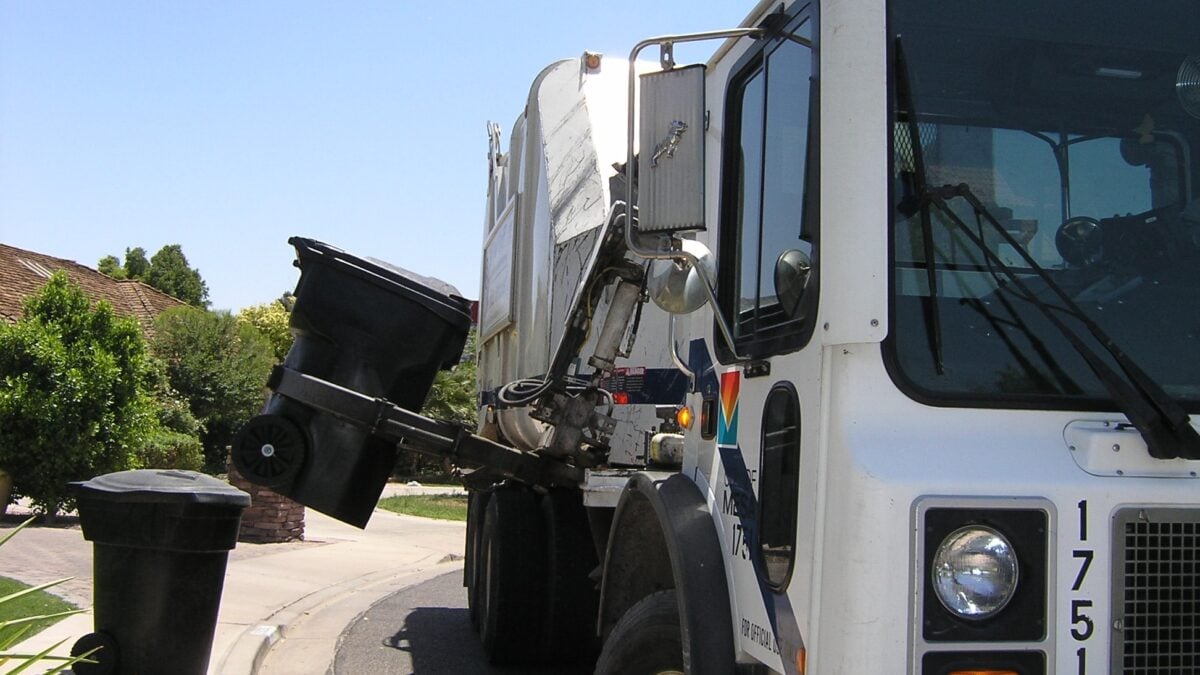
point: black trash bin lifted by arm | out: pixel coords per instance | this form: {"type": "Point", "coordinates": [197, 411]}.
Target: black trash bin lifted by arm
{"type": "Point", "coordinates": [370, 339]}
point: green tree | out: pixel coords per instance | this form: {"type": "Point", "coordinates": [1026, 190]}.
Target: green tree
{"type": "Point", "coordinates": [72, 397]}
{"type": "Point", "coordinates": [111, 266]}
{"type": "Point", "coordinates": [136, 264]}
{"type": "Point", "coordinates": [220, 366]}
{"type": "Point", "coordinates": [169, 272]}
{"type": "Point", "coordinates": [271, 320]}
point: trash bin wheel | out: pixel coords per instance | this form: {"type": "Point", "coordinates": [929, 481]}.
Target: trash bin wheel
{"type": "Point", "coordinates": [103, 657]}
{"type": "Point", "coordinates": [269, 450]}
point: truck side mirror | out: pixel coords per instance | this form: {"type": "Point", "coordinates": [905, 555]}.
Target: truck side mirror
{"type": "Point", "coordinates": [671, 151]}
{"type": "Point", "coordinates": [675, 285]}
{"type": "Point", "coordinates": [792, 271]}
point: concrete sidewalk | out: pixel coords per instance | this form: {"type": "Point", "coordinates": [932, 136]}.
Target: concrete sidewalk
{"type": "Point", "coordinates": [305, 592]}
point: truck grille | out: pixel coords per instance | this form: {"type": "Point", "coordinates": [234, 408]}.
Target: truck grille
{"type": "Point", "coordinates": [1156, 591]}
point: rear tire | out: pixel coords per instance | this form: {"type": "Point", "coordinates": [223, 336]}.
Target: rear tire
{"type": "Point", "coordinates": [571, 598]}
{"type": "Point", "coordinates": [473, 568]}
{"type": "Point", "coordinates": [646, 641]}
{"type": "Point", "coordinates": [512, 573]}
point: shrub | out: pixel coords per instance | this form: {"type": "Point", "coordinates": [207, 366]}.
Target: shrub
{"type": "Point", "coordinates": [72, 398]}
{"type": "Point", "coordinates": [166, 449]}
{"type": "Point", "coordinates": [270, 319]}
{"type": "Point", "coordinates": [174, 443]}
{"type": "Point", "coordinates": [219, 366]}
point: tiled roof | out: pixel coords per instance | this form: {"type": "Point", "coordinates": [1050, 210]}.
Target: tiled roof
{"type": "Point", "coordinates": [23, 272]}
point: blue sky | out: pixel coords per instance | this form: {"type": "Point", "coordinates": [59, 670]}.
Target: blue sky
{"type": "Point", "coordinates": [227, 127]}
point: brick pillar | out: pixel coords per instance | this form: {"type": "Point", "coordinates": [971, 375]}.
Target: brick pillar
{"type": "Point", "coordinates": [271, 518]}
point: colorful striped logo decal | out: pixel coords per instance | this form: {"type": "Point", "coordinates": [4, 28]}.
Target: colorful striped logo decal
{"type": "Point", "coordinates": [780, 613]}
{"type": "Point", "coordinates": [731, 384]}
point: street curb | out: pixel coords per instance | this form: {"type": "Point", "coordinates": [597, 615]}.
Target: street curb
{"type": "Point", "coordinates": [251, 648]}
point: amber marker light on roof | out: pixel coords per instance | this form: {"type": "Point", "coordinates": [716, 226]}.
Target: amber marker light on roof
{"type": "Point", "coordinates": [684, 417]}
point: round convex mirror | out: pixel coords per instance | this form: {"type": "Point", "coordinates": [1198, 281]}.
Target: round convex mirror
{"type": "Point", "coordinates": [675, 285]}
{"type": "Point", "coordinates": [792, 270]}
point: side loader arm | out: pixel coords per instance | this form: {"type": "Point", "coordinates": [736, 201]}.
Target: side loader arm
{"type": "Point", "coordinates": [415, 432]}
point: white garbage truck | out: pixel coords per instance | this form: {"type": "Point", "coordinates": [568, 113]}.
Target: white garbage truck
{"type": "Point", "coordinates": [870, 345]}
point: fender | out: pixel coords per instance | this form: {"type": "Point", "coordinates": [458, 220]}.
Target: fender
{"type": "Point", "coordinates": [662, 536]}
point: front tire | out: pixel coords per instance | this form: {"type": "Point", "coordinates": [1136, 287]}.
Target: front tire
{"type": "Point", "coordinates": [646, 641]}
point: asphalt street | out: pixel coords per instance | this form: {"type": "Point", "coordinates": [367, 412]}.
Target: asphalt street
{"type": "Point", "coordinates": [424, 630]}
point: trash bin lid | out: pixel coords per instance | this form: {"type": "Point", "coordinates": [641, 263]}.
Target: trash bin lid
{"type": "Point", "coordinates": [162, 486]}
{"type": "Point", "coordinates": [434, 295]}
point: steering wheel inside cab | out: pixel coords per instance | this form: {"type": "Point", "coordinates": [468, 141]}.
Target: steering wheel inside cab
{"type": "Point", "coordinates": [1142, 243]}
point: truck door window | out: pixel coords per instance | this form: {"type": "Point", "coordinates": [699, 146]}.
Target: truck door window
{"type": "Point", "coordinates": [769, 195]}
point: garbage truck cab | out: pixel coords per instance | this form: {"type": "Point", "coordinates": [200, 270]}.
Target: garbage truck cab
{"type": "Point", "coordinates": [944, 389]}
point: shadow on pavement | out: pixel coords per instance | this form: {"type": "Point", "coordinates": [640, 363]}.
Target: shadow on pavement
{"type": "Point", "coordinates": [425, 630]}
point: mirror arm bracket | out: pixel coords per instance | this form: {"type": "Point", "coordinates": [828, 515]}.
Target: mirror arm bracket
{"type": "Point", "coordinates": [666, 46]}
{"type": "Point", "coordinates": [675, 357]}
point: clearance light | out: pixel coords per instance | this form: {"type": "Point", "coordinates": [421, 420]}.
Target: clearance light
{"type": "Point", "coordinates": [592, 60]}
{"type": "Point", "coordinates": [801, 660]}
{"type": "Point", "coordinates": [684, 417]}
{"type": "Point", "coordinates": [621, 398]}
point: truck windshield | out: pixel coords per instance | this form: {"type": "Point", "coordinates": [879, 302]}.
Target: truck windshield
{"type": "Point", "coordinates": [1077, 125]}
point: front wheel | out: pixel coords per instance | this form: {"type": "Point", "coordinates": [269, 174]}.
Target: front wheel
{"type": "Point", "coordinates": [646, 641]}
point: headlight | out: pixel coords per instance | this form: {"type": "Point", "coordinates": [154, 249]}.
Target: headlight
{"type": "Point", "coordinates": [975, 572]}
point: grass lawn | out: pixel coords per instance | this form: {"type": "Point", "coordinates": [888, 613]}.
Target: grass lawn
{"type": "Point", "coordinates": [34, 604]}
{"type": "Point", "coordinates": [444, 507]}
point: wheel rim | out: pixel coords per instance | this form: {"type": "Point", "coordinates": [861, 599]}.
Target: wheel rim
{"type": "Point", "coordinates": [269, 450]}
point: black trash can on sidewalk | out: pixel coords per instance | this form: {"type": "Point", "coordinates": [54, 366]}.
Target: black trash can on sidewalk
{"type": "Point", "coordinates": [161, 540]}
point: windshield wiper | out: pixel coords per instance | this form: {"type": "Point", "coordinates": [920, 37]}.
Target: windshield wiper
{"type": "Point", "coordinates": [908, 207]}
{"type": "Point", "coordinates": [1163, 424]}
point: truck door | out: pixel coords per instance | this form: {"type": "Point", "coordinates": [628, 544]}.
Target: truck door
{"type": "Point", "coordinates": [765, 387]}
